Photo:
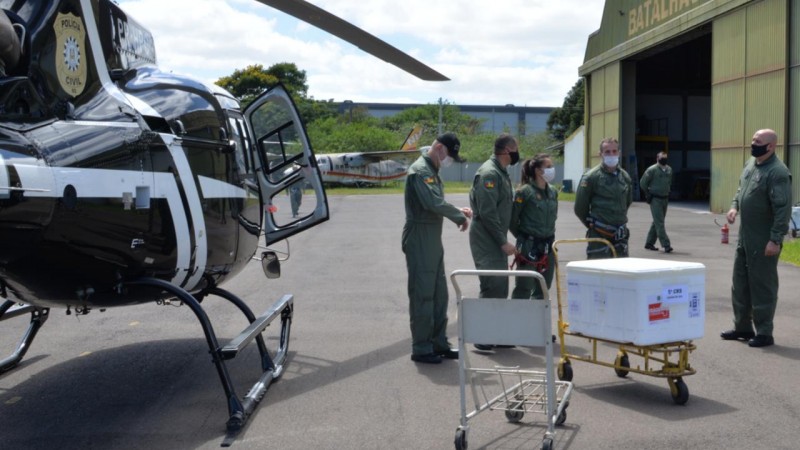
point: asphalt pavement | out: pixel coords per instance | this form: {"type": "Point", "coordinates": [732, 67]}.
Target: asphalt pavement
{"type": "Point", "coordinates": [140, 377]}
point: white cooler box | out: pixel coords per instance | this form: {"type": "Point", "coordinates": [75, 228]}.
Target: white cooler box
{"type": "Point", "coordinates": [636, 300]}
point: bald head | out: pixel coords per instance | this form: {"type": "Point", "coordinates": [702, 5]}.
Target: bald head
{"type": "Point", "coordinates": [766, 136]}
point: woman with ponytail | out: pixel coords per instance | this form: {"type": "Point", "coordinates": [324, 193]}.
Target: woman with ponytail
{"type": "Point", "coordinates": [533, 223]}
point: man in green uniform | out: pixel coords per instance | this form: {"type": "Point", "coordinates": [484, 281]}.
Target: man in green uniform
{"type": "Point", "coordinates": [490, 199]}
{"type": "Point", "coordinates": [422, 245]}
{"type": "Point", "coordinates": [601, 203]}
{"type": "Point", "coordinates": [764, 202]}
{"type": "Point", "coordinates": [655, 185]}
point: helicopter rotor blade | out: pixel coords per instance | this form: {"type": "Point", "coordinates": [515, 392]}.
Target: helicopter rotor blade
{"type": "Point", "coordinates": [345, 30]}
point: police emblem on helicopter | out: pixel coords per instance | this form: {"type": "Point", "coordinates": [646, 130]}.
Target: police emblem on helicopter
{"type": "Point", "coordinates": [70, 63]}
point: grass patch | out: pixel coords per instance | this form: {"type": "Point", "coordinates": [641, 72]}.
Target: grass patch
{"type": "Point", "coordinates": [791, 251]}
{"type": "Point", "coordinates": [450, 187]}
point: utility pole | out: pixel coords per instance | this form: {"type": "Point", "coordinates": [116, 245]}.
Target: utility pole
{"type": "Point", "coordinates": [440, 117]}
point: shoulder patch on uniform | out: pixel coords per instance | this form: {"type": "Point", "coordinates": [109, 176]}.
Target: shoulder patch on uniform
{"type": "Point", "coordinates": [488, 184]}
{"type": "Point", "coordinates": [519, 198]}
{"type": "Point", "coordinates": [584, 183]}
{"type": "Point", "coordinates": [429, 180]}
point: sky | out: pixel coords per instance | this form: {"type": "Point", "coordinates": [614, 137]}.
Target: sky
{"type": "Point", "coordinates": [520, 52]}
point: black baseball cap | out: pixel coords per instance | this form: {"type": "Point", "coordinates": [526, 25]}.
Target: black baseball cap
{"type": "Point", "coordinates": [453, 145]}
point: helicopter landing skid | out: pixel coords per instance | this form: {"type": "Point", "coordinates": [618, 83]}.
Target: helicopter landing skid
{"type": "Point", "coordinates": [9, 310]}
{"type": "Point", "coordinates": [272, 368]}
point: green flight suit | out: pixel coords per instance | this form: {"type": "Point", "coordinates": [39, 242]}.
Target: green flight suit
{"type": "Point", "coordinates": [490, 200]}
{"type": "Point", "coordinates": [422, 245]}
{"type": "Point", "coordinates": [764, 202]}
{"type": "Point", "coordinates": [655, 184]}
{"type": "Point", "coordinates": [533, 223]}
{"type": "Point", "coordinates": [601, 204]}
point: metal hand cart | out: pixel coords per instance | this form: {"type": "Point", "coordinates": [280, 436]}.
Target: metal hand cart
{"type": "Point", "coordinates": [668, 360]}
{"type": "Point", "coordinates": [511, 389]}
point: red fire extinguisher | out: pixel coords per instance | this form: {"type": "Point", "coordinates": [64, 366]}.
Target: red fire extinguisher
{"type": "Point", "coordinates": [724, 231]}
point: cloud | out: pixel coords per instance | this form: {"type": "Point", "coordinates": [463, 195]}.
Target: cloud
{"type": "Point", "coordinates": [524, 52]}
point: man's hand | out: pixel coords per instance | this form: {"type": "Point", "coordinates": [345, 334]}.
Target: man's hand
{"type": "Point", "coordinates": [467, 212]}
{"type": "Point", "coordinates": [509, 249]}
{"type": "Point", "coordinates": [731, 216]}
{"type": "Point", "coordinates": [772, 249]}
{"type": "Point", "coordinates": [464, 226]}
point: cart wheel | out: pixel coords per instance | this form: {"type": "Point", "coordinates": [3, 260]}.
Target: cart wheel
{"type": "Point", "coordinates": [679, 390]}
{"type": "Point", "coordinates": [461, 439]}
{"type": "Point", "coordinates": [515, 415]}
{"type": "Point", "coordinates": [562, 417]}
{"type": "Point", "coordinates": [622, 361]}
{"type": "Point", "coordinates": [547, 444]}
{"type": "Point", "coordinates": [565, 370]}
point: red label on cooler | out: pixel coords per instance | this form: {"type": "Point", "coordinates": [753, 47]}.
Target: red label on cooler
{"type": "Point", "coordinates": [657, 312]}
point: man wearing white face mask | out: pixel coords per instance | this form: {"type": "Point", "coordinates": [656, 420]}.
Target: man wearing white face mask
{"type": "Point", "coordinates": [422, 245]}
{"type": "Point", "coordinates": [602, 200]}
{"type": "Point", "coordinates": [533, 223]}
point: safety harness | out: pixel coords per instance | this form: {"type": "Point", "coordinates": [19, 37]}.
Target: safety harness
{"type": "Point", "coordinates": [537, 258]}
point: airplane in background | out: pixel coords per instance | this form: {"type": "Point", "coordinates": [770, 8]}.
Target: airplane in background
{"type": "Point", "coordinates": [370, 168]}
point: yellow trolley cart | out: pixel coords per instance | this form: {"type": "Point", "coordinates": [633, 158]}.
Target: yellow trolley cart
{"type": "Point", "coordinates": [668, 360]}
{"type": "Point", "coordinates": [511, 389]}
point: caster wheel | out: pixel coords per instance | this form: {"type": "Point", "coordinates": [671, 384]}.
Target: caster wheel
{"type": "Point", "coordinates": [547, 444]}
{"type": "Point", "coordinates": [622, 361]}
{"type": "Point", "coordinates": [562, 417]}
{"type": "Point", "coordinates": [679, 391]}
{"type": "Point", "coordinates": [565, 370]}
{"type": "Point", "coordinates": [461, 439]}
{"type": "Point", "coordinates": [514, 415]}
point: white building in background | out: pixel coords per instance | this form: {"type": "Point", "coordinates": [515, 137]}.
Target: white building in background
{"type": "Point", "coordinates": [574, 165]}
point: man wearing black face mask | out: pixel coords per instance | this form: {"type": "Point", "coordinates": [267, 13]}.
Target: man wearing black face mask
{"type": "Point", "coordinates": [764, 202]}
{"type": "Point", "coordinates": [491, 199]}
{"type": "Point", "coordinates": [655, 185]}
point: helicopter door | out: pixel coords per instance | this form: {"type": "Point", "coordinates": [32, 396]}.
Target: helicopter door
{"type": "Point", "coordinates": [292, 195]}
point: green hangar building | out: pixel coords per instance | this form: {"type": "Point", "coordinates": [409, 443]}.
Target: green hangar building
{"type": "Point", "coordinates": [695, 78]}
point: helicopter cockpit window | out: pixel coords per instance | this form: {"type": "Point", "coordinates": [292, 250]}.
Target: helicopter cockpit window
{"type": "Point", "coordinates": [279, 139]}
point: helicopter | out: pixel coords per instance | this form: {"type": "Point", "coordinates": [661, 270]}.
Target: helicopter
{"type": "Point", "coordinates": [122, 184]}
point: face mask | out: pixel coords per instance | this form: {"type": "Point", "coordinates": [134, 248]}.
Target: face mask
{"type": "Point", "coordinates": [447, 161]}
{"type": "Point", "coordinates": [663, 161]}
{"type": "Point", "coordinates": [549, 174]}
{"type": "Point", "coordinates": [758, 150]}
{"type": "Point", "coordinates": [514, 157]}
{"type": "Point", "coordinates": [611, 161]}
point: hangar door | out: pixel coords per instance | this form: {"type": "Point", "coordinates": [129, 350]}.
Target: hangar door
{"type": "Point", "coordinates": [749, 81]}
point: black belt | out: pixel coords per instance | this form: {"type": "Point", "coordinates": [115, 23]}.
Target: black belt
{"type": "Point", "coordinates": [537, 238]}
{"type": "Point", "coordinates": [658, 196]}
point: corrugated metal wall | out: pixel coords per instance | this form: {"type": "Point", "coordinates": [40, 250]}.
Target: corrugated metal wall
{"type": "Point", "coordinates": [793, 153]}
{"type": "Point", "coordinates": [603, 111]}
{"type": "Point", "coordinates": [748, 92]}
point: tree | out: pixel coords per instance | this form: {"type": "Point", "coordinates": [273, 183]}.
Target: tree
{"type": "Point", "coordinates": [248, 83]}
{"type": "Point", "coordinates": [428, 116]}
{"type": "Point", "coordinates": [293, 79]}
{"type": "Point", "coordinates": [566, 119]}
{"type": "Point", "coordinates": [337, 134]}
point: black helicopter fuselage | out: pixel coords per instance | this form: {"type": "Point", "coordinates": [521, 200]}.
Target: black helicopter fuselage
{"type": "Point", "coordinates": [111, 169]}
